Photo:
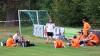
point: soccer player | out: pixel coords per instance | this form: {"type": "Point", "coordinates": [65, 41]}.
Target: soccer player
{"type": "Point", "coordinates": [81, 38]}
{"type": "Point", "coordinates": [92, 39]}
{"type": "Point", "coordinates": [75, 42]}
{"type": "Point", "coordinates": [49, 28]}
{"type": "Point", "coordinates": [86, 27]}
{"type": "Point", "coordinates": [10, 42]}
{"type": "Point", "coordinates": [58, 43]}
{"type": "Point", "coordinates": [17, 37]}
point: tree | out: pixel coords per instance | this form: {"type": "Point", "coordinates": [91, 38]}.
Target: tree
{"type": "Point", "coordinates": [63, 12]}
{"type": "Point", "coordinates": [10, 9]}
{"type": "Point", "coordinates": [2, 10]}
{"type": "Point", "coordinates": [67, 12]}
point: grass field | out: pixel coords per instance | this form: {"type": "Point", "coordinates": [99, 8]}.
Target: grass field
{"type": "Point", "coordinates": [42, 49]}
{"type": "Point", "coordinates": [48, 50]}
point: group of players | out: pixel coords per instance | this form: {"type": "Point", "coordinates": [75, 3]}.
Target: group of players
{"type": "Point", "coordinates": [16, 40]}
{"type": "Point", "coordinates": [84, 37]}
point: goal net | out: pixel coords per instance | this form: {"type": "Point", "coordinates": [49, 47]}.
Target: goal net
{"type": "Point", "coordinates": [27, 19]}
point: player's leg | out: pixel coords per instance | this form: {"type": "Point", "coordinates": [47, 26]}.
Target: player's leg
{"type": "Point", "coordinates": [51, 37]}
{"type": "Point", "coordinates": [48, 37]}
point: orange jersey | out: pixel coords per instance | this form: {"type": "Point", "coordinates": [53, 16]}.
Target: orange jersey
{"type": "Point", "coordinates": [59, 44]}
{"type": "Point", "coordinates": [95, 38]}
{"type": "Point", "coordinates": [81, 37]}
{"type": "Point", "coordinates": [9, 42]}
{"type": "Point", "coordinates": [75, 43]}
{"type": "Point", "coordinates": [86, 28]}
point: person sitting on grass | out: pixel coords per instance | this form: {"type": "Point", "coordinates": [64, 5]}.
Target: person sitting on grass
{"type": "Point", "coordinates": [81, 38]}
{"type": "Point", "coordinates": [58, 43]}
{"type": "Point", "coordinates": [69, 42]}
{"type": "Point", "coordinates": [17, 37]}
{"type": "Point", "coordinates": [75, 42]}
{"type": "Point", "coordinates": [92, 39]}
{"type": "Point", "coordinates": [10, 42]}
{"type": "Point", "coordinates": [24, 42]}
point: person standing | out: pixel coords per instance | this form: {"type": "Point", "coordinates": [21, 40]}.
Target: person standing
{"type": "Point", "coordinates": [49, 30]}
{"type": "Point", "coordinates": [86, 27]}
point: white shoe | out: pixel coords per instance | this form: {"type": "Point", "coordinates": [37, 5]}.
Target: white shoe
{"type": "Point", "coordinates": [82, 45]}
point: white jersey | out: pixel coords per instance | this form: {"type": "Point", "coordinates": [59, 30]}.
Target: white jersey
{"type": "Point", "coordinates": [15, 36]}
{"type": "Point", "coordinates": [50, 27]}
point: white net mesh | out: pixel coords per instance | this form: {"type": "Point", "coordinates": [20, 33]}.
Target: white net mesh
{"type": "Point", "coordinates": [27, 18]}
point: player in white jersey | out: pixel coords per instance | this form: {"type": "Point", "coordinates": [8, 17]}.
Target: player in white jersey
{"type": "Point", "coordinates": [49, 30]}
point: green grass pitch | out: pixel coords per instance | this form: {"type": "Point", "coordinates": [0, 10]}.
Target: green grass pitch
{"type": "Point", "coordinates": [42, 49]}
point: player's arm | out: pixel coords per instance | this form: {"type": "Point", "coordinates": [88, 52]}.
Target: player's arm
{"type": "Point", "coordinates": [53, 25]}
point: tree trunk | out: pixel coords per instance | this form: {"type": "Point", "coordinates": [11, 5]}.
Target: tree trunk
{"type": "Point", "coordinates": [11, 17]}
{"type": "Point", "coordinates": [12, 7]}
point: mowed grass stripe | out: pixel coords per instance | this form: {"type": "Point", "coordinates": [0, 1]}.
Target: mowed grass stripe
{"type": "Point", "coordinates": [48, 50]}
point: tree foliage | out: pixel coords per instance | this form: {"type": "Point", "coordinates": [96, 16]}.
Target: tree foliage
{"type": "Point", "coordinates": [63, 12]}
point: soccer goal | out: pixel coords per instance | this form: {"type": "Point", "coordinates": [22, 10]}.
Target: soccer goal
{"type": "Point", "coordinates": [27, 19]}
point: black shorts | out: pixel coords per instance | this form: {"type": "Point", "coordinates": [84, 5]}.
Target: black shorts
{"type": "Point", "coordinates": [50, 34]}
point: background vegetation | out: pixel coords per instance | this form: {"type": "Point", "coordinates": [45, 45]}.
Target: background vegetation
{"type": "Point", "coordinates": [63, 12]}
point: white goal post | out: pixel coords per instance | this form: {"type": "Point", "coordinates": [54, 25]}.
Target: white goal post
{"type": "Point", "coordinates": [29, 12]}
